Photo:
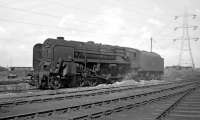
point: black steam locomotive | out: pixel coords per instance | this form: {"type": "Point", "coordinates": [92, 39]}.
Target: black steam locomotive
{"type": "Point", "coordinates": [59, 63]}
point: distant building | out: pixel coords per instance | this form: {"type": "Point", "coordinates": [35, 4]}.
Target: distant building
{"type": "Point", "coordinates": [178, 68]}
{"type": "Point", "coordinates": [20, 68]}
{"type": "Point", "coordinates": [3, 69]}
{"type": "Point", "coordinates": [20, 71]}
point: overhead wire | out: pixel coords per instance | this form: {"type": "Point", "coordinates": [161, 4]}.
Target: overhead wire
{"type": "Point", "coordinates": [29, 11]}
{"type": "Point", "coordinates": [56, 16]}
{"type": "Point", "coordinates": [133, 9]}
{"type": "Point", "coordinates": [43, 14]}
{"type": "Point", "coordinates": [39, 25]}
{"type": "Point", "coordinates": [34, 12]}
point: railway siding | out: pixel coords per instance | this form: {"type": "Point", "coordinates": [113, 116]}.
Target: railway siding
{"type": "Point", "coordinates": [50, 108]}
{"type": "Point", "coordinates": [71, 95]}
{"type": "Point", "coordinates": [114, 107]}
{"type": "Point", "coordinates": [186, 107]}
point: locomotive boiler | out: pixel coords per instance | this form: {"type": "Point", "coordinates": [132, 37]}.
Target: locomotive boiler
{"type": "Point", "coordinates": [61, 63]}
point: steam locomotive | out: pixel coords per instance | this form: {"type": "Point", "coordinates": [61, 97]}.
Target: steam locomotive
{"type": "Point", "coordinates": [61, 63]}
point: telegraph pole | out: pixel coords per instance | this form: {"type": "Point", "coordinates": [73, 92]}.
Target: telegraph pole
{"type": "Point", "coordinates": [151, 44]}
{"type": "Point", "coordinates": [185, 48]}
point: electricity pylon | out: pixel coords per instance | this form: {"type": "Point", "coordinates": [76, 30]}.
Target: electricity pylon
{"type": "Point", "coordinates": [185, 55]}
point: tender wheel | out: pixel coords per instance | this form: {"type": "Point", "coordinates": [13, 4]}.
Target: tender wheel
{"type": "Point", "coordinates": [54, 82]}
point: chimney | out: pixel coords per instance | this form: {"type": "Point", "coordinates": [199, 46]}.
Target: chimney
{"type": "Point", "coordinates": [60, 38]}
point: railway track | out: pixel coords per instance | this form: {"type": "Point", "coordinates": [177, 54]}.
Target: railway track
{"type": "Point", "coordinates": [61, 95]}
{"type": "Point", "coordinates": [73, 94]}
{"type": "Point", "coordinates": [187, 107]}
{"type": "Point", "coordinates": [94, 106]}
{"type": "Point", "coordinates": [64, 94]}
{"type": "Point", "coordinates": [36, 92]}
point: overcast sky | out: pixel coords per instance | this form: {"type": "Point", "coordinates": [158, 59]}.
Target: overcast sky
{"type": "Point", "coordinates": [130, 23]}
